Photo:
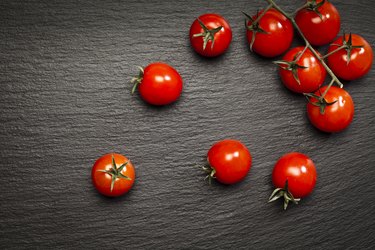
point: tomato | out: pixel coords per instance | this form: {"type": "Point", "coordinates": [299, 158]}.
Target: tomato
{"type": "Point", "coordinates": [113, 175]}
{"type": "Point", "coordinates": [361, 57]}
{"type": "Point", "coordinates": [229, 161]}
{"type": "Point", "coordinates": [271, 36]}
{"type": "Point", "coordinates": [304, 75]}
{"type": "Point", "coordinates": [338, 113]}
{"type": "Point", "coordinates": [294, 177]}
{"type": "Point", "coordinates": [319, 22]}
{"type": "Point", "coordinates": [210, 35]}
{"type": "Point", "coordinates": [158, 84]}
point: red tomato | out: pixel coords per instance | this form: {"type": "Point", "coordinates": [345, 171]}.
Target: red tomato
{"type": "Point", "coordinates": [310, 77]}
{"type": "Point", "coordinates": [360, 58]}
{"type": "Point", "coordinates": [319, 30]}
{"type": "Point", "coordinates": [337, 116]}
{"type": "Point", "coordinates": [158, 84]}
{"type": "Point", "coordinates": [210, 35]}
{"type": "Point", "coordinates": [113, 175]}
{"type": "Point", "coordinates": [273, 33]}
{"type": "Point", "coordinates": [294, 176]}
{"type": "Point", "coordinates": [229, 161]}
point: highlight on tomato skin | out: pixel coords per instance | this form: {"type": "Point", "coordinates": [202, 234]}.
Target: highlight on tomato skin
{"type": "Point", "coordinates": [294, 177]}
{"type": "Point", "coordinates": [229, 161]}
{"type": "Point", "coordinates": [113, 175]}
{"type": "Point", "coordinates": [158, 84]}
{"type": "Point", "coordinates": [210, 35]}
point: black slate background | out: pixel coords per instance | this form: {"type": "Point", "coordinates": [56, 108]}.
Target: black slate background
{"type": "Point", "coordinates": [65, 101]}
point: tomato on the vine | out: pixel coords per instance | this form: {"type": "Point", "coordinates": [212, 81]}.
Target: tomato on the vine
{"type": "Point", "coordinates": [319, 21]}
{"type": "Point", "coordinates": [294, 177]}
{"type": "Point", "coordinates": [113, 175]}
{"type": "Point", "coordinates": [229, 161]}
{"type": "Point", "coordinates": [158, 84]}
{"type": "Point", "coordinates": [334, 112]}
{"type": "Point", "coordinates": [301, 71]}
{"type": "Point", "coordinates": [353, 60]}
{"type": "Point", "coordinates": [271, 36]}
{"type": "Point", "coordinates": [210, 35]}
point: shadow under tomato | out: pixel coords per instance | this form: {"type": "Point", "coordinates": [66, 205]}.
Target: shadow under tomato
{"type": "Point", "coordinates": [108, 200]}
{"type": "Point", "coordinates": [213, 60]}
{"type": "Point", "coordinates": [160, 108]}
{"type": "Point", "coordinates": [313, 130]}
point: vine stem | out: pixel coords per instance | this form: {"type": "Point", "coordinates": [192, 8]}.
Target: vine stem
{"type": "Point", "coordinates": [263, 13]}
{"type": "Point", "coordinates": [333, 51]}
{"type": "Point", "coordinates": [308, 45]}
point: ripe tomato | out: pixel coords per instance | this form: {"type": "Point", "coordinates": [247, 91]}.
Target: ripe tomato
{"type": "Point", "coordinates": [336, 116]}
{"type": "Point", "coordinates": [158, 84]}
{"type": "Point", "coordinates": [229, 161]}
{"type": "Point", "coordinates": [271, 36]}
{"type": "Point", "coordinates": [319, 22]}
{"type": "Point", "coordinates": [113, 175]}
{"type": "Point", "coordinates": [210, 35]}
{"type": "Point", "coordinates": [307, 70]}
{"type": "Point", "coordinates": [360, 57]}
{"type": "Point", "coordinates": [294, 177]}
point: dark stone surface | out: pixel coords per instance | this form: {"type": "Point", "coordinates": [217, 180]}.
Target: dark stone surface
{"type": "Point", "coordinates": [64, 82]}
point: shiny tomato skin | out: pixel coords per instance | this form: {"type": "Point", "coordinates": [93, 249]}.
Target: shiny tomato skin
{"type": "Point", "coordinates": [360, 60]}
{"type": "Point", "coordinates": [231, 160]}
{"type": "Point", "coordinates": [222, 38]}
{"type": "Point", "coordinates": [279, 34]}
{"type": "Point", "coordinates": [337, 116]}
{"type": "Point", "coordinates": [102, 181]}
{"type": "Point", "coordinates": [300, 172]}
{"type": "Point", "coordinates": [319, 31]}
{"type": "Point", "coordinates": [310, 78]}
{"type": "Point", "coordinates": [161, 84]}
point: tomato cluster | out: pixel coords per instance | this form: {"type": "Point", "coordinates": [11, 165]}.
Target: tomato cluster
{"type": "Point", "coordinates": [302, 70]}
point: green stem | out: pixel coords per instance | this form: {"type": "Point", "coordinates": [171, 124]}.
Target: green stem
{"type": "Point", "coordinates": [334, 51]}
{"type": "Point", "coordinates": [300, 55]}
{"type": "Point", "coordinates": [334, 78]}
{"type": "Point", "coordinates": [263, 13]}
{"type": "Point", "coordinates": [328, 86]}
{"type": "Point", "coordinates": [300, 8]}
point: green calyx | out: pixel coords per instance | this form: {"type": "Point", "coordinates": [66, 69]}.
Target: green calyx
{"type": "Point", "coordinates": [137, 80]}
{"type": "Point", "coordinates": [115, 172]}
{"type": "Point", "coordinates": [283, 193]}
{"type": "Point", "coordinates": [207, 34]}
{"type": "Point", "coordinates": [312, 5]}
{"type": "Point", "coordinates": [348, 46]}
{"type": "Point", "coordinates": [321, 101]}
{"type": "Point", "coordinates": [210, 171]}
{"type": "Point", "coordinates": [253, 27]}
{"type": "Point", "coordinates": [292, 66]}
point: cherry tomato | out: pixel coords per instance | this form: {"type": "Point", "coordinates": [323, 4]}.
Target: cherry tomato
{"type": "Point", "coordinates": [338, 113]}
{"type": "Point", "coordinates": [319, 24]}
{"type": "Point", "coordinates": [294, 177]}
{"type": "Point", "coordinates": [210, 35]}
{"type": "Point", "coordinates": [273, 33]}
{"type": "Point", "coordinates": [229, 161]}
{"type": "Point", "coordinates": [113, 175]}
{"type": "Point", "coordinates": [307, 70]}
{"type": "Point", "coordinates": [360, 57]}
{"type": "Point", "coordinates": [158, 84]}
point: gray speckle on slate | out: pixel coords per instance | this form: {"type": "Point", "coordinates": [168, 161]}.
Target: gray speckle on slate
{"type": "Point", "coordinates": [65, 100]}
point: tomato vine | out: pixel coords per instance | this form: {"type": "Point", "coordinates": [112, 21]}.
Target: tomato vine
{"type": "Point", "coordinates": [308, 45]}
